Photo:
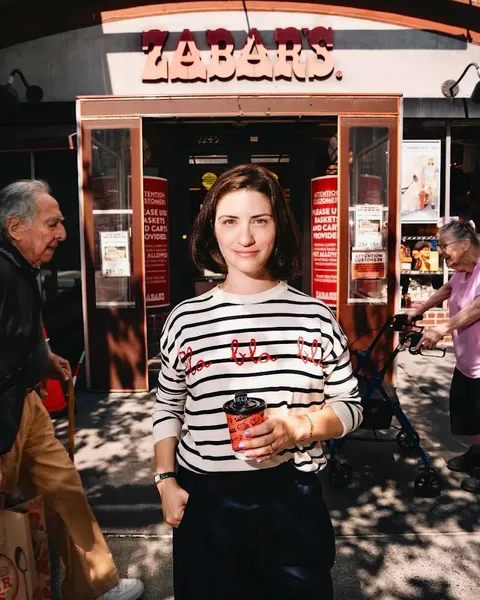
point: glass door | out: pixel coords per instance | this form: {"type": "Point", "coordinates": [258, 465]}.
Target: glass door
{"type": "Point", "coordinates": [113, 254]}
{"type": "Point", "coordinates": [368, 232]}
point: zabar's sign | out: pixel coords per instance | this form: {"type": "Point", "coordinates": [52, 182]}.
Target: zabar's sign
{"type": "Point", "coordinates": [252, 61]}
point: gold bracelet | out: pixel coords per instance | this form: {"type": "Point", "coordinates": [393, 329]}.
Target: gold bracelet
{"type": "Point", "coordinates": [310, 436]}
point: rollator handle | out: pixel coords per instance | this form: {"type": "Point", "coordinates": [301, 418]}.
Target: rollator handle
{"type": "Point", "coordinates": [400, 322]}
{"type": "Point", "coordinates": [415, 338]}
{"type": "Point", "coordinates": [414, 349]}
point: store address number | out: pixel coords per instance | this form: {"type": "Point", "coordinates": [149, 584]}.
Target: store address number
{"type": "Point", "coordinates": [208, 139]}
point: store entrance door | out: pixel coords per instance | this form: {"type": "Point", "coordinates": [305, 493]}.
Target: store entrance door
{"type": "Point", "coordinates": [368, 224]}
{"type": "Point", "coordinates": [364, 272]}
{"type": "Point", "coordinates": [112, 254]}
{"type": "Point", "coordinates": [294, 150]}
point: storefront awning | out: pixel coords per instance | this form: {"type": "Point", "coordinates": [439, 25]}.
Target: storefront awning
{"type": "Point", "coordinates": [27, 20]}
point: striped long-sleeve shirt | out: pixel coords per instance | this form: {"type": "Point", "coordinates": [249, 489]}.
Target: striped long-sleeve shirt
{"type": "Point", "coordinates": [280, 345]}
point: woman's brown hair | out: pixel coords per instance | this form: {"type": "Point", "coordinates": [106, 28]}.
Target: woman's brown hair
{"type": "Point", "coordinates": [285, 260]}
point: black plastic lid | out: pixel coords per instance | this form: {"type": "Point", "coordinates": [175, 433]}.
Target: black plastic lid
{"type": "Point", "coordinates": [244, 405]}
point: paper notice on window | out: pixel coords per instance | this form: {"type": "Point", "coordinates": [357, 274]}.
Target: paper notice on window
{"type": "Point", "coordinates": [115, 253]}
{"type": "Point", "coordinates": [369, 265]}
{"type": "Point", "coordinates": [368, 226]}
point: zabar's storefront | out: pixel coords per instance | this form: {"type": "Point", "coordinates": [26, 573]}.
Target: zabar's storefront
{"type": "Point", "coordinates": [342, 105]}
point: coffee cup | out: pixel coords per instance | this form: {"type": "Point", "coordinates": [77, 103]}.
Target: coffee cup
{"type": "Point", "coordinates": [242, 413]}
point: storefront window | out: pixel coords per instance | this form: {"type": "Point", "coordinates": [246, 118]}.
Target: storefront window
{"type": "Point", "coordinates": [368, 216]}
{"type": "Point", "coordinates": [465, 171]}
{"type": "Point", "coordinates": [112, 214]}
{"type": "Point", "coordinates": [422, 208]}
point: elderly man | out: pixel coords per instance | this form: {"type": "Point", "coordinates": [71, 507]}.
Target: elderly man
{"type": "Point", "coordinates": [31, 227]}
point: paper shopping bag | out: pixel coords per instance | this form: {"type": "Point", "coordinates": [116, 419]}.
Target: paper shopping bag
{"type": "Point", "coordinates": [17, 565]}
{"type": "Point", "coordinates": [38, 531]}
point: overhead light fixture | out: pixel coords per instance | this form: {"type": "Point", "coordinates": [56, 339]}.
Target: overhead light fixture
{"type": "Point", "coordinates": [450, 87]}
{"type": "Point", "coordinates": [9, 99]}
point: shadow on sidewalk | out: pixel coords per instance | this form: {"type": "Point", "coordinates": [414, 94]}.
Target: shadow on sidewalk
{"type": "Point", "coordinates": [391, 545]}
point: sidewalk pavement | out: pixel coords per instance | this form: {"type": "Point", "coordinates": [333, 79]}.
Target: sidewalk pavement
{"type": "Point", "coordinates": [390, 544]}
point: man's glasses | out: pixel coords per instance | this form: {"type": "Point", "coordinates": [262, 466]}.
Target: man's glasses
{"type": "Point", "coordinates": [442, 247]}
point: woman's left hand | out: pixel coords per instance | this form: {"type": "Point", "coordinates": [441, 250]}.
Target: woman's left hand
{"type": "Point", "coordinates": [430, 338]}
{"type": "Point", "coordinates": [270, 438]}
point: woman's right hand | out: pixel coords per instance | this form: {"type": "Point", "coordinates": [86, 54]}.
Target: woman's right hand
{"type": "Point", "coordinates": [174, 500]}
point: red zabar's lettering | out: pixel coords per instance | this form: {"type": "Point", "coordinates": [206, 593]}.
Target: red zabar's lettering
{"type": "Point", "coordinates": [187, 358]}
{"type": "Point", "coordinates": [187, 62]}
{"type": "Point", "coordinates": [240, 357]}
{"type": "Point", "coordinates": [289, 44]}
{"type": "Point", "coordinates": [156, 69]}
{"type": "Point", "coordinates": [222, 66]}
{"type": "Point", "coordinates": [320, 66]}
{"type": "Point", "coordinates": [254, 60]}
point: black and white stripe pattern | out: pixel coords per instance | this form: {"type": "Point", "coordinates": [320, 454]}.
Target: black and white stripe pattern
{"type": "Point", "coordinates": [281, 345]}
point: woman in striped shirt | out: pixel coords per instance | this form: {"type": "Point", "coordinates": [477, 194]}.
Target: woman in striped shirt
{"type": "Point", "coordinates": [254, 526]}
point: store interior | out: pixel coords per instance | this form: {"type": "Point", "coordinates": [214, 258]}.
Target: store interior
{"type": "Point", "coordinates": [422, 268]}
{"type": "Point", "coordinates": [191, 154]}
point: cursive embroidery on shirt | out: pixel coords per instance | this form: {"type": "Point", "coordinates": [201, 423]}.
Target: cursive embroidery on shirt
{"type": "Point", "coordinates": [192, 369]}
{"type": "Point", "coordinates": [308, 356]}
{"type": "Point", "coordinates": [241, 357]}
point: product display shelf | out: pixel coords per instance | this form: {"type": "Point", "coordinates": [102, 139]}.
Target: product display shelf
{"type": "Point", "coordinates": [419, 238]}
{"type": "Point", "coordinates": [411, 272]}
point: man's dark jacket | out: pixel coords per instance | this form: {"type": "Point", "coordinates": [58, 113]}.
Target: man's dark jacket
{"type": "Point", "coordinates": [20, 308]}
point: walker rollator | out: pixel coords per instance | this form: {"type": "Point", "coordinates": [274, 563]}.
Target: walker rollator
{"type": "Point", "coordinates": [380, 403]}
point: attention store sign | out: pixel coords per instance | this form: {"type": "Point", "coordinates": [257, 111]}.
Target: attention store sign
{"type": "Point", "coordinates": [300, 55]}
{"type": "Point", "coordinates": [157, 268]}
{"type": "Point", "coordinates": [324, 197]}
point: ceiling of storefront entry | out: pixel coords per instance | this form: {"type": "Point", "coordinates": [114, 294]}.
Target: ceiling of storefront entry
{"type": "Point", "coordinates": [30, 19]}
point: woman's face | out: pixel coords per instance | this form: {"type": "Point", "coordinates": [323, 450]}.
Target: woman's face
{"type": "Point", "coordinates": [245, 231]}
{"type": "Point", "coordinates": [453, 250]}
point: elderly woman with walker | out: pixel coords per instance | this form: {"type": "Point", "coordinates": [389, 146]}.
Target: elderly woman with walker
{"type": "Point", "coordinates": [460, 247]}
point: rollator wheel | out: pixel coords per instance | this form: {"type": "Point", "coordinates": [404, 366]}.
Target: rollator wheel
{"type": "Point", "coordinates": [408, 442]}
{"type": "Point", "coordinates": [427, 483]}
{"type": "Point", "coordinates": [340, 474]}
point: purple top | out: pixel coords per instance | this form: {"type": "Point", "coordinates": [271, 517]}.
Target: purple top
{"type": "Point", "coordinates": [466, 340]}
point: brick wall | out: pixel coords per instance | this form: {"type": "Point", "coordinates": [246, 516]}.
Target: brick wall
{"type": "Point", "coordinates": [436, 317]}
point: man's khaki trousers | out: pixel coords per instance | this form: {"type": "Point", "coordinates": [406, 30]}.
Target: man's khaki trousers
{"type": "Point", "coordinates": [39, 464]}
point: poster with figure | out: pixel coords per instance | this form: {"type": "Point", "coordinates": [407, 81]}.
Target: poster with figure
{"type": "Point", "coordinates": [421, 167]}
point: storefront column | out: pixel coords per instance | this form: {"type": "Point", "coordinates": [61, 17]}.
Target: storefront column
{"type": "Point", "coordinates": [448, 166]}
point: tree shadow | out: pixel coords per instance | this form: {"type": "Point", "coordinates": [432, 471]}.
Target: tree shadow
{"type": "Point", "coordinates": [398, 545]}
{"type": "Point", "coordinates": [391, 545]}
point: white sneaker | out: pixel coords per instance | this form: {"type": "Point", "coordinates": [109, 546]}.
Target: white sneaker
{"type": "Point", "coordinates": [126, 589]}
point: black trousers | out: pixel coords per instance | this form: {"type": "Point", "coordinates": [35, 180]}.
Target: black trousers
{"type": "Point", "coordinates": [258, 535]}
{"type": "Point", "coordinates": [464, 405]}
